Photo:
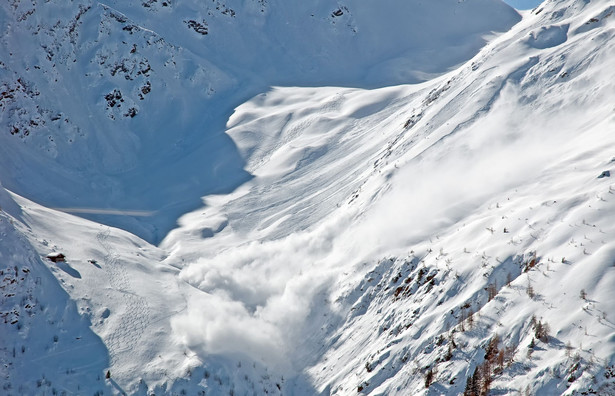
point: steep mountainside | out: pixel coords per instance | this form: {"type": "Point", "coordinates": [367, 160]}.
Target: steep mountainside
{"type": "Point", "coordinates": [357, 237]}
{"type": "Point", "coordinates": [119, 107]}
{"type": "Point", "coordinates": [471, 206]}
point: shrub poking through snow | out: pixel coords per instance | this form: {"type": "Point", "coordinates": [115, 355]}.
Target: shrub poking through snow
{"type": "Point", "coordinates": [429, 377]}
{"type": "Point", "coordinates": [493, 364]}
{"type": "Point", "coordinates": [541, 331]}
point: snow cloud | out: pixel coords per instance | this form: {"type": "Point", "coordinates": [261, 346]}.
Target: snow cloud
{"type": "Point", "coordinates": [260, 299]}
{"type": "Point", "coordinates": [488, 160]}
{"type": "Point", "coordinates": [256, 298]}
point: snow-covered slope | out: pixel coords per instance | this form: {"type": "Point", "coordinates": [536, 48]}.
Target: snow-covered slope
{"type": "Point", "coordinates": [47, 341]}
{"type": "Point", "coordinates": [442, 197]}
{"type": "Point", "coordinates": [392, 240]}
{"type": "Point", "coordinates": [119, 107]}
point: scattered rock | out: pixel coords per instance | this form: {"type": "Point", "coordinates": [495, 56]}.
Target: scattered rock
{"type": "Point", "coordinates": [199, 27]}
{"type": "Point", "coordinates": [604, 174]}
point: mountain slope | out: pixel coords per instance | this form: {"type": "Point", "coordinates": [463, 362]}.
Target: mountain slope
{"type": "Point", "coordinates": [123, 104]}
{"type": "Point", "coordinates": [466, 182]}
{"type": "Point", "coordinates": [405, 239]}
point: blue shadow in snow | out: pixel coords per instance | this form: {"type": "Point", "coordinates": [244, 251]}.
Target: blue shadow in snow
{"type": "Point", "coordinates": [68, 269]}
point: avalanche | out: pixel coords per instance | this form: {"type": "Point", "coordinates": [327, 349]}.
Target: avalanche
{"type": "Point", "coordinates": [416, 200]}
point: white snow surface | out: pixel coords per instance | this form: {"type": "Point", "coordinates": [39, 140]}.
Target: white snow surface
{"type": "Point", "coordinates": [113, 99]}
{"type": "Point", "coordinates": [355, 235]}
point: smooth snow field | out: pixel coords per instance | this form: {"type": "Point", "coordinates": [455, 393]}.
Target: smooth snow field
{"type": "Point", "coordinates": [307, 198]}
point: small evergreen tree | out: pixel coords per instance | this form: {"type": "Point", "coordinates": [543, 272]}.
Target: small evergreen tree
{"type": "Point", "coordinates": [473, 384]}
{"type": "Point", "coordinates": [492, 291]}
{"type": "Point", "coordinates": [476, 379]}
{"type": "Point", "coordinates": [429, 378]}
{"type": "Point", "coordinates": [541, 331]}
{"type": "Point", "coordinates": [568, 348]}
{"type": "Point", "coordinates": [471, 318]}
{"type": "Point", "coordinates": [469, 386]}
{"type": "Point", "coordinates": [492, 349]}
{"type": "Point", "coordinates": [449, 353]}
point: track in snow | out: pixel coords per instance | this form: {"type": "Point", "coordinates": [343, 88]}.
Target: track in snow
{"type": "Point", "coordinates": [126, 334]}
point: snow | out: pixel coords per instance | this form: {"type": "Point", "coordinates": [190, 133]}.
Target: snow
{"type": "Point", "coordinates": [351, 230]}
{"type": "Point", "coordinates": [153, 96]}
{"type": "Point", "coordinates": [45, 335]}
{"type": "Point", "coordinates": [524, 4]}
